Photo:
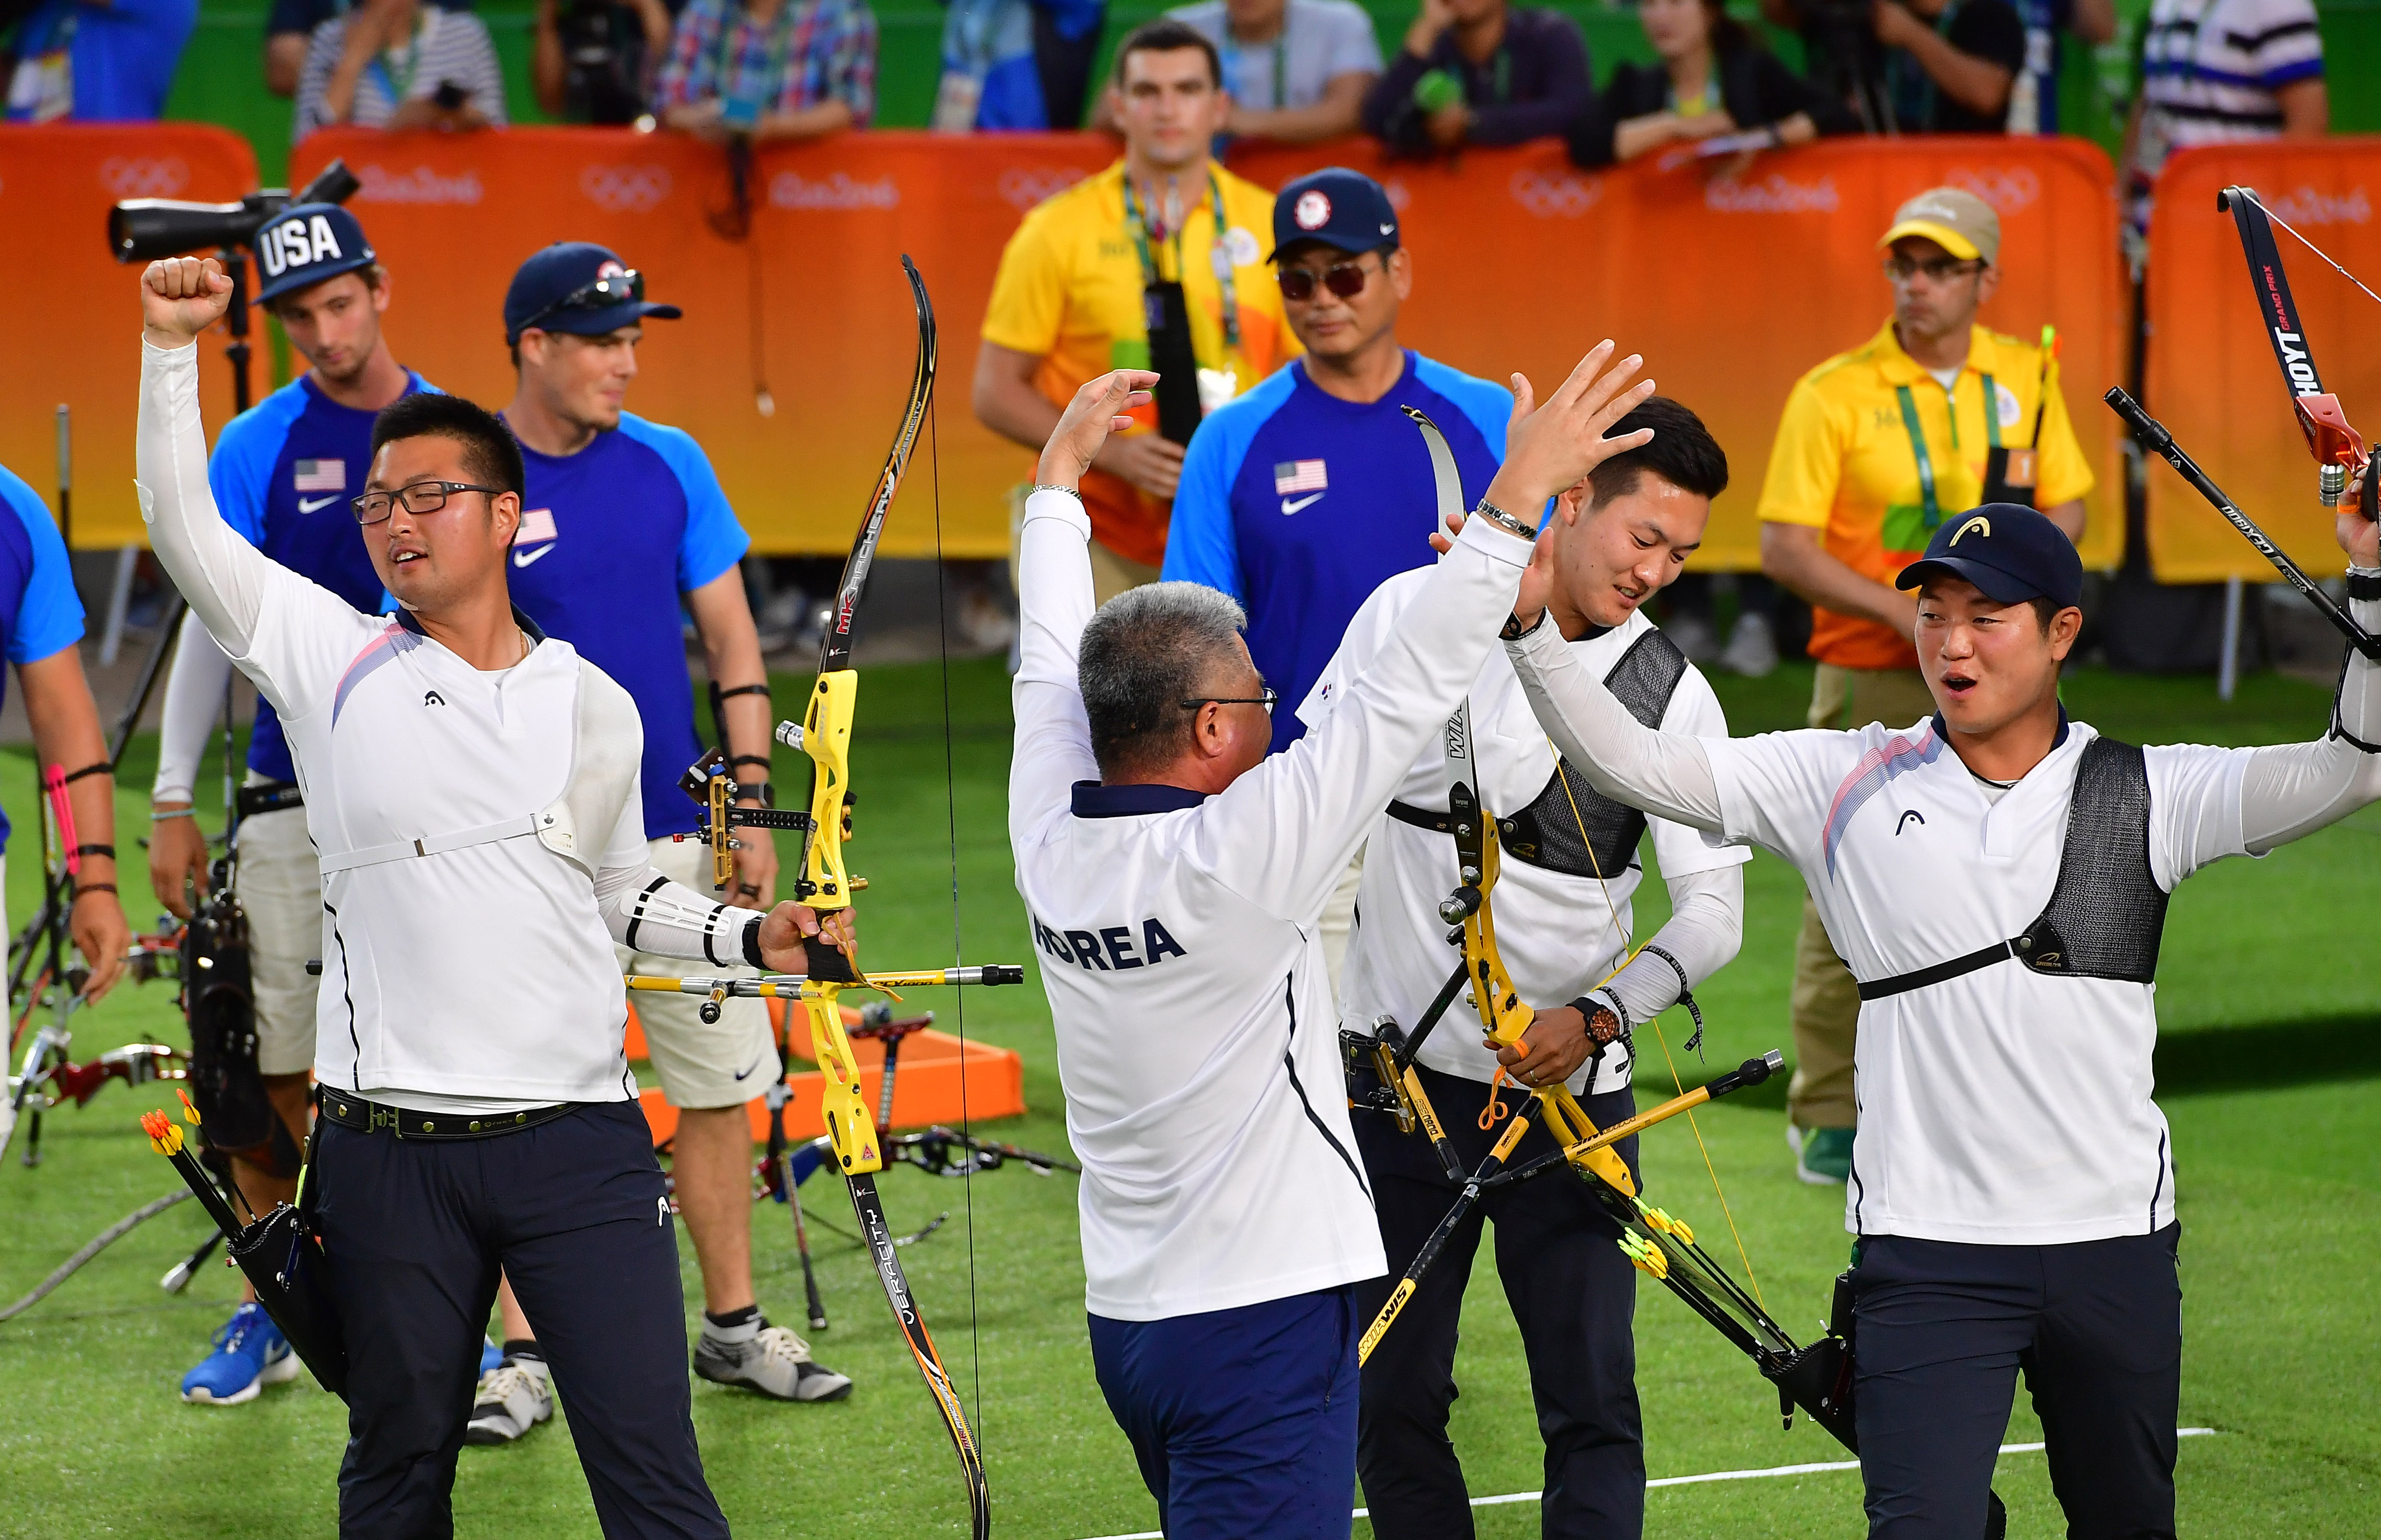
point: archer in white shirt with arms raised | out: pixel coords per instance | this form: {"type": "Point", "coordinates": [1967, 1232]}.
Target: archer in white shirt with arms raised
{"type": "Point", "coordinates": [1997, 879]}
{"type": "Point", "coordinates": [1174, 876]}
{"type": "Point", "coordinates": [471, 786]}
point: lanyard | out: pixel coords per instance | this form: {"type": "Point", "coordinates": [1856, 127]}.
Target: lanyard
{"type": "Point", "coordinates": [396, 85]}
{"type": "Point", "coordinates": [781, 39]}
{"type": "Point", "coordinates": [1918, 439]}
{"type": "Point", "coordinates": [1280, 68]}
{"type": "Point", "coordinates": [1138, 227]}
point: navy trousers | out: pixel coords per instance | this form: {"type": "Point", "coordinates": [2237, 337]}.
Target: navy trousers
{"type": "Point", "coordinates": [1243, 1419]}
{"type": "Point", "coordinates": [1574, 1296]}
{"type": "Point", "coordinates": [1941, 1332]}
{"type": "Point", "coordinates": [575, 1212]}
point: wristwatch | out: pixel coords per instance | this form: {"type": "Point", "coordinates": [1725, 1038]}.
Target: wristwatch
{"type": "Point", "coordinates": [1503, 521]}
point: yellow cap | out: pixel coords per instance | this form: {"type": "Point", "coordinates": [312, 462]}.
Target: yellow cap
{"type": "Point", "coordinates": [1953, 218]}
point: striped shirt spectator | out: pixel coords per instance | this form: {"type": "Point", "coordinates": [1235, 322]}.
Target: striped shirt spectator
{"type": "Point", "coordinates": [765, 68]}
{"type": "Point", "coordinates": [2221, 71]}
{"type": "Point", "coordinates": [384, 65]}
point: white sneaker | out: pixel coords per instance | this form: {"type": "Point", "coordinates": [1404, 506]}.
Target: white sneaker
{"type": "Point", "coordinates": [1752, 647]}
{"type": "Point", "coordinates": [514, 1397]}
{"type": "Point", "coordinates": [774, 1362]}
{"type": "Point", "coordinates": [1694, 637]}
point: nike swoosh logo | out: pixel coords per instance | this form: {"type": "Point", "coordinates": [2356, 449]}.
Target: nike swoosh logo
{"type": "Point", "coordinates": [1292, 505]}
{"type": "Point", "coordinates": [748, 1069]}
{"type": "Point", "coordinates": [522, 558]}
{"type": "Point", "coordinates": [308, 505]}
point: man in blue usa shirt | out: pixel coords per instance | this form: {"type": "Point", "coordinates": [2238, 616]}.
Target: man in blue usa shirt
{"type": "Point", "coordinates": [282, 472]}
{"type": "Point", "coordinates": [1311, 490]}
{"type": "Point", "coordinates": [624, 528]}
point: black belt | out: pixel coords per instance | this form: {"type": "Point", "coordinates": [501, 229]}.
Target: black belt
{"type": "Point", "coordinates": [267, 797]}
{"type": "Point", "coordinates": [1901, 983]}
{"type": "Point", "coordinates": [353, 1112]}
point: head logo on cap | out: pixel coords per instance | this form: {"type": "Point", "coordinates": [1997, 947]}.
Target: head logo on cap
{"type": "Point", "coordinates": [1313, 210]}
{"type": "Point", "coordinates": [1978, 522]}
{"type": "Point", "coordinates": [610, 268]}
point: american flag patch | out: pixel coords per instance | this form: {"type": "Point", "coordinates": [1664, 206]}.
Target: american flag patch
{"type": "Point", "coordinates": [1299, 475]}
{"type": "Point", "coordinates": [322, 475]}
{"type": "Point", "coordinates": [536, 526]}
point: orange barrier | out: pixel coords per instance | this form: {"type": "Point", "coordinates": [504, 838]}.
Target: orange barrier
{"type": "Point", "coordinates": [73, 329]}
{"type": "Point", "coordinates": [1733, 288]}
{"type": "Point", "coordinates": [2212, 379]}
{"type": "Point", "coordinates": [942, 1079]}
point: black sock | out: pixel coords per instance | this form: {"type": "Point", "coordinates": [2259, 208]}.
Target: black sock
{"type": "Point", "coordinates": [523, 1347]}
{"type": "Point", "coordinates": [734, 1317]}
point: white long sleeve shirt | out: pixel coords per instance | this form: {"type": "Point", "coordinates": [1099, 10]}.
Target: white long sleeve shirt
{"type": "Point", "coordinates": [1178, 932]}
{"type": "Point", "coordinates": [479, 975]}
{"type": "Point", "coordinates": [2001, 1106]}
{"type": "Point", "coordinates": [1560, 934]}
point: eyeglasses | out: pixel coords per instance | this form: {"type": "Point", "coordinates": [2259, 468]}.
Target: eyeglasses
{"type": "Point", "coordinates": [1941, 270]}
{"type": "Point", "coordinates": [420, 497]}
{"type": "Point", "coordinates": [603, 294]}
{"type": "Point", "coordinates": [1265, 700]}
{"type": "Point", "coordinates": [1345, 279]}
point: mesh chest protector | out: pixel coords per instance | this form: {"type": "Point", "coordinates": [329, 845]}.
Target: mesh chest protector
{"type": "Point", "coordinates": [1574, 828]}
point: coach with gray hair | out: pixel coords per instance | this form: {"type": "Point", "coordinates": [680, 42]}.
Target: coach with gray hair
{"type": "Point", "coordinates": [1173, 875]}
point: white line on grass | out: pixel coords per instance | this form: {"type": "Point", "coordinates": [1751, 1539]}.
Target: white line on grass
{"type": "Point", "coordinates": [1685, 1480]}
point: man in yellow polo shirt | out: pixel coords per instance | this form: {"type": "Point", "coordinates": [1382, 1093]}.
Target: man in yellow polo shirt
{"type": "Point", "coordinates": [1154, 263]}
{"type": "Point", "coordinates": [1929, 417]}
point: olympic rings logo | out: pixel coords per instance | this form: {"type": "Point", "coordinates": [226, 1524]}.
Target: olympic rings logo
{"type": "Point", "coordinates": [1023, 187]}
{"type": "Point", "coordinates": [625, 189]}
{"type": "Point", "coordinates": [1560, 194]}
{"type": "Point", "coordinates": [2007, 190]}
{"type": "Point", "coordinates": [142, 177]}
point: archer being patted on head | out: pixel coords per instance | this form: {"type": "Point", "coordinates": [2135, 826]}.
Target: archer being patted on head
{"type": "Point", "coordinates": [471, 787]}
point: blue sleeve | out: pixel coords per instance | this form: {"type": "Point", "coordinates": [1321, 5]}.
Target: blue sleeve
{"type": "Point", "coordinates": [1488, 408]}
{"type": "Point", "coordinates": [240, 470]}
{"type": "Point", "coordinates": [49, 618]}
{"type": "Point", "coordinates": [714, 541]}
{"type": "Point", "coordinates": [1201, 544]}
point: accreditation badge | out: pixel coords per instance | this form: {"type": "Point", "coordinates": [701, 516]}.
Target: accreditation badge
{"type": "Point", "coordinates": [1215, 388]}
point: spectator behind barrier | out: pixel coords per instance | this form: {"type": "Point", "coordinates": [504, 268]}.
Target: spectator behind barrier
{"type": "Point", "coordinates": [1912, 67]}
{"type": "Point", "coordinates": [1480, 72]}
{"type": "Point", "coordinates": [1296, 70]}
{"type": "Point", "coordinates": [769, 70]}
{"type": "Point", "coordinates": [1712, 82]}
{"type": "Point", "coordinates": [1016, 64]}
{"type": "Point", "coordinates": [399, 64]}
{"type": "Point", "coordinates": [96, 61]}
{"type": "Point", "coordinates": [2220, 73]}
{"type": "Point", "coordinates": [592, 61]}
{"type": "Point", "coordinates": [2033, 97]}
{"type": "Point", "coordinates": [289, 32]}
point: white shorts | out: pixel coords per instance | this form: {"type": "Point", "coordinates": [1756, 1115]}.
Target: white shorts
{"type": "Point", "coordinates": [725, 1063]}
{"type": "Point", "coordinates": [278, 883]}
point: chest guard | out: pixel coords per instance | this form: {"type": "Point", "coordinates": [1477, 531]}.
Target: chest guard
{"type": "Point", "coordinates": [1574, 828]}
{"type": "Point", "coordinates": [2106, 913]}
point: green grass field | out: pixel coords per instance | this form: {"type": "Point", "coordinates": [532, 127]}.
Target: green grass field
{"type": "Point", "coordinates": [2268, 997]}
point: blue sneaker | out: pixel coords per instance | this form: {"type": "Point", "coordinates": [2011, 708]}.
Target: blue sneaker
{"type": "Point", "coordinates": [250, 1353]}
{"type": "Point", "coordinates": [492, 1358]}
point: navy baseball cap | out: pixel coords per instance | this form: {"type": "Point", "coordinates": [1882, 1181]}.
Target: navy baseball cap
{"type": "Point", "coordinates": [305, 244]}
{"type": "Point", "coordinates": [579, 288]}
{"type": "Point", "coordinates": [2011, 553]}
{"type": "Point", "coordinates": [1339, 207]}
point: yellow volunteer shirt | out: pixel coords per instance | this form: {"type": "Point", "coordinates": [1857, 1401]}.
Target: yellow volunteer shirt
{"type": "Point", "coordinates": [1843, 463]}
{"type": "Point", "coordinates": [1069, 289]}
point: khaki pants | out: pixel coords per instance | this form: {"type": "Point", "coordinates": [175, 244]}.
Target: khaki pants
{"type": "Point", "coordinates": [1825, 1009]}
{"type": "Point", "coordinates": [278, 880]}
{"type": "Point", "coordinates": [1111, 574]}
{"type": "Point", "coordinates": [701, 1065]}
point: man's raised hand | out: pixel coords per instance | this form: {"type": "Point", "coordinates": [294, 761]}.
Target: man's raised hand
{"type": "Point", "coordinates": [181, 297]}
{"type": "Point", "coordinates": [1096, 412]}
{"type": "Point", "coordinates": [1552, 446]}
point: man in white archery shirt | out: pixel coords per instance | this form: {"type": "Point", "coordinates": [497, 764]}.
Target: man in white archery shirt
{"type": "Point", "coordinates": [1996, 878]}
{"type": "Point", "coordinates": [1174, 876]}
{"type": "Point", "coordinates": [1570, 868]}
{"type": "Point", "coordinates": [471, 786]}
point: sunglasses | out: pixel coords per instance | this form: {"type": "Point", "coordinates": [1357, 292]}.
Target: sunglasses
{"type": "Point", "coordinates": [1345, 279]}
{"type": "Point", "coordinates": [1942, 270]}
{"type": "Point", "coordinates": [603, 294]}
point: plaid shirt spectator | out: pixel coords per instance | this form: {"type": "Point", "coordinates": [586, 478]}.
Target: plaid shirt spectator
{"type": "Point", "coordinates": [823, 50]}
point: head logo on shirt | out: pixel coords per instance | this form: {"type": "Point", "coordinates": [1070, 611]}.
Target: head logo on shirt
{"type": "Point", "coordinates": [535, 537]}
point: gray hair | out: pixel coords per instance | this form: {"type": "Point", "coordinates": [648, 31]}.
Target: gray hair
{"type": "Point", "coordinates": [1146, 650]}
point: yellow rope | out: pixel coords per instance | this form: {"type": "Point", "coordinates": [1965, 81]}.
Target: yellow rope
{"type": "Point", "coordinates": [1629, 956]}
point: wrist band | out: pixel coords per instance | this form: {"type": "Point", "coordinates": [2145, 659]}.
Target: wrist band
{"type": "Point", "coordinates": [108, 851]}
{"type": "Point", "coordinates": [2363, 585]}
{"type": "Point", "coordinates": [83, 887]}
{"type": "Point", "coordinates": [745, 690]}
{"type": "Point", "coordinates": [157, 817]}
{"type": "Point", "coordinates": [1045, 487]}
{"type": "Point", "coordinates": [762, 760]}
{"type": "Point", "coordinates": [752, 945]}
{"type": "Point", "coordinates": [1686, 996]}
{"type": "Point", "coordinates": [104, 767]}
{"type": "Point", "coordinates": [1503, 521]}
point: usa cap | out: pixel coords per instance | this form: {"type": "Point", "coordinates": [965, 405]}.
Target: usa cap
{"type": "Point", "coordinates": [1953, 218]}
{"type": "Point", "coordinates": [1335, 206]}
{"type": "Point", "coordinates": [555, 291]}
{"type": "Point", "coordinates": [305, 244]}
{"type": "Point", "coordinates": [2010, 552]}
